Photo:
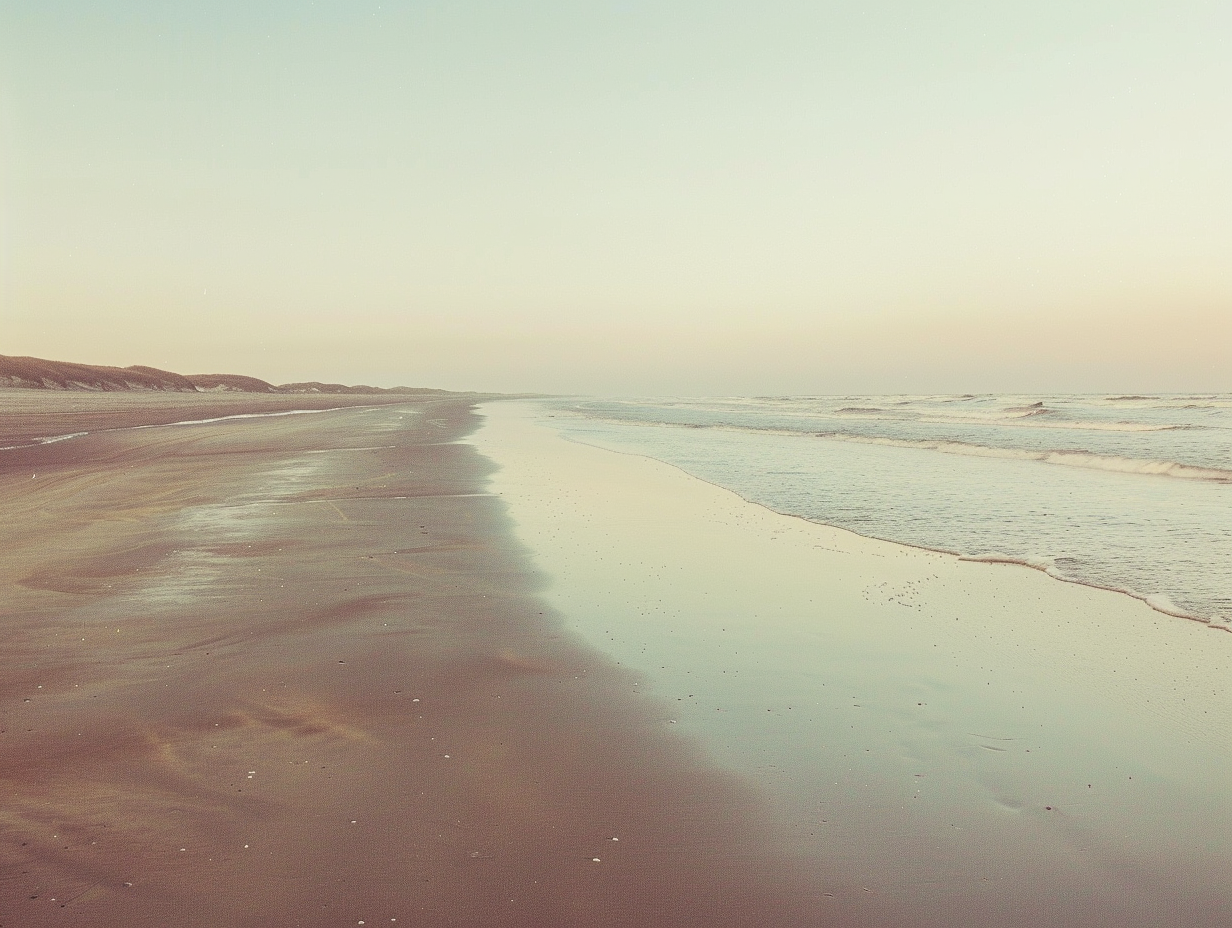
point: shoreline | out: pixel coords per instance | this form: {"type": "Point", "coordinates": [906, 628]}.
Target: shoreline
{"type": "Point", "coordinates": [314, 670]}
{"type": "Point", "coordinates": [696, 588]}
{"type": "Point", "coordinates": [1148, 599]}
{"type": "Point", "coordinates": [254, 683]}
{"type": "Point", "coordinates": [1057, 457]}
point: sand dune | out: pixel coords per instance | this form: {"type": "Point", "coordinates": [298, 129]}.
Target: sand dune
{"type": "Point", "coordinates": [41, 374]}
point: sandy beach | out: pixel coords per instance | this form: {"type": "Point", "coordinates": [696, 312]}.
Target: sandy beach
{"type": "Point", "coordinates": [295, 670]}
{"type": "Point", "coordinates": [410, 664]}
{"type": "Point", "coordinates": [615, 465]}
{"type": "Point", "coordinates": [946, 742]}
{"type": "Point", "coordinates": [33, 416]}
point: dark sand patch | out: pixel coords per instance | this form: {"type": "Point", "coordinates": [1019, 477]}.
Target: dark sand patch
{"type": "Point", "coordinates": [250, 685]}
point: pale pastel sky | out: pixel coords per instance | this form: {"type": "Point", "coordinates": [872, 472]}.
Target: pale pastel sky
{"type": "Point", "coordinates": [635, 197]}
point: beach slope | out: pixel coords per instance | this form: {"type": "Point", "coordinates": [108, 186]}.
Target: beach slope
{"type": "Point", "coordinates": [948, 742]}
{"type": "Point", "coordinates": [294, 669]}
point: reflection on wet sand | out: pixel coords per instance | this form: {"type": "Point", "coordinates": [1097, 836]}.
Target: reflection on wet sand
{"type": "Point", "coordinates": [951, 743]}
{"type": "Point", "coordinates": [247, 683]}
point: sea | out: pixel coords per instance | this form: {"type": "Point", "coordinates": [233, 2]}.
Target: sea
{"type": "Point", "coordinates": [1130, 493]}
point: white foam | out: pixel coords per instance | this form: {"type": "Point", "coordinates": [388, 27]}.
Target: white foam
{"type": "Point", "coordinates": [1120, 465]}
{"type": "Point", "coordinates": [1066, 458]}
{"type": "Point", "coordinates": [1161, 603]}
{"type": "Point", "coordinates": [1101, 509]}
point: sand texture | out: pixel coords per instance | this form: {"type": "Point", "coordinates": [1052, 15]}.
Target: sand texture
{"type": "Point", "coordinates": [336, 668]}
{"type": "Point", "coordinates": [295, 671]}
{"type": "Point", "coordinates": [946, 742]}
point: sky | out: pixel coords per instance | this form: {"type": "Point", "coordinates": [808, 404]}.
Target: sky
{"type": "Point", "coordinates": [718, 197]}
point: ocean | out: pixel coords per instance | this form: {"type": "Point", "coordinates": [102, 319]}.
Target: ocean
{"type": "Point", "coordinates": [1130, 493]}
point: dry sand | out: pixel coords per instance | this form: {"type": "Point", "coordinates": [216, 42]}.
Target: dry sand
{"type": "Point", "coordinates": [946, 742]}
{"type": "Point", "coordinates": [296, 671]}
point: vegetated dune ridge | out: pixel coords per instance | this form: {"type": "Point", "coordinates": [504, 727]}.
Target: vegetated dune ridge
{"type": "Point", "coordinates": [296, 671]}
{"type": "Point", "coordinates": [41, 374]}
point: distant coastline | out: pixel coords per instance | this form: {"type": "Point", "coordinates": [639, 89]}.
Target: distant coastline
{"type": "Point", "coordinates": [40, 374]}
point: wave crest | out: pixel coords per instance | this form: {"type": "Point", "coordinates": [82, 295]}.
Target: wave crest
{"type": "Point", "coordinates": [1086, 459]}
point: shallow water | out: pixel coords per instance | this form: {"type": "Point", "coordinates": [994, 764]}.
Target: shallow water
{"type": "Point", "coordinates": [1132, 493]}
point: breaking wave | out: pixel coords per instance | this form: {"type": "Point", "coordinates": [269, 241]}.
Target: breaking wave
{"type": "Point", "coordinates": [1063, 457]}
{"type": "Point", "coordinates": [1113, 463]}
{"type": "Point", "coordinates": [1102, 514]}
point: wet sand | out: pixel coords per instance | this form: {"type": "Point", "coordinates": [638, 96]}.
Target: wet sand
{"type": "Point", "coordinates": [30, 416]}
{"type": "Point", "coordinates": [298, 671]}
{"type": "Point", "coordinates": [949, 743]}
